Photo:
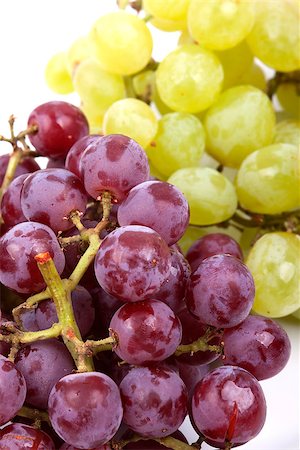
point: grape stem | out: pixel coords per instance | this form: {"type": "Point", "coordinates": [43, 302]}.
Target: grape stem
{"type": "Point", "coordinates": [202, 344]}
{"type": "Point", "coordinates": [34, 414]}
{"type": "Point", "coordinates": [283, 78]}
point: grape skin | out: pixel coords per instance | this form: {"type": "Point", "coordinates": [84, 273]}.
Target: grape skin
{"type": "Point", "coordinates": [26, 165]}
{"type": "Point", "coordinates": [18, 436]}
{"type": "Point", "coordinates": [11, 210]}
{"type": "Point", "coordinates": [85, 409]}
{"type": "Point", "coordinates": [76, 151]}
{"type": "Point", "coordinates": [57, 75]}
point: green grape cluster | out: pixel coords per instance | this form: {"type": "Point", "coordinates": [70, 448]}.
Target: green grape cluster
{"type": "Point", "coordinates": [211, 115]}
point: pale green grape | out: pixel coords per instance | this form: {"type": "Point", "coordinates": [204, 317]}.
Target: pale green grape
{"type": "Point", "coordinates": [289, 99]}
{"type": "Point", "coordinates": [161, 107]}
{"type": "Point", "coordinates": [179, 142]}
{"type": "Point", "coordinates": [240, 122]}
{"type": "Point", "coordinates": [297, 314]}
{"type": "Point", "coordinates": [143, 85]}
{"type": "Point", "coordinates": [268, 180]}
{"type": "Point", "coordinates": [78, 52]}
{"type": "Point", "coordinates": [94, 117]}
{"type": "Point", "coordinates": [220, 24]}
{"type": "Point", "coordinates": [211, 196]}
{"type": "Point", "coordinates": [235, 61]}
{"type": "Point", "coordinates": [132, 118]}
{"type": "Point", "coordinates": [57, 76]}
{"type": "Point", "coordinates": [254, 76]}
{"type": "Point", "coordinates": [248, 238]}
{"type": "Point", "coordinates": [288, 132]}
{"type": "Point", "coordinates": [274, 262]}
{"type": "Point", "coordinates": [189, 79]}
{"type": "Point", "coordinates": [275, 37]}
{"type": "Point", "coordinates": [97, 88]}
{"type": "Point", "coordinates": [168, 25]}
{"type": "Point", "coordinates": [167, 9]}
{"type": "Point", "coordinates": [122, 42]}
{"type": "Point", "coordinates": [185, 38]}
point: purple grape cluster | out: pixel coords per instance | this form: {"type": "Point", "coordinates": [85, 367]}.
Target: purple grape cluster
{"type": "Point", "coordinates": [183, 340]}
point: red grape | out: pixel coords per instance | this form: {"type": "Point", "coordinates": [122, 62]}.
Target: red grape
{"type": "Point", "coordinates": [18, 436]}
{"type": "Point", "coordinates": [76, 151]}
{"type": "Point", "coordinates": [11, 210]}
{"type": "Point", "coordinates": [26, 165]}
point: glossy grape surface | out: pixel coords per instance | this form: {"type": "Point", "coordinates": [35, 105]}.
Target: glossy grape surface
{"type": "Point", "coordinates": [11, 202]}
{"type": "Point", "coordinates": [18, 436]}
{"type": "Point", "coordinates": [76, 151]}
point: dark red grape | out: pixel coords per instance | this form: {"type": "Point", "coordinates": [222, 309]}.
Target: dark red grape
{"type": "Point", "coordinates": [212, 244]}
{"type": "Point", "coordinates": [18, 436]}
{"type": "Point", "coordinates": [26, 165]}
{"type": "Point", "coordinates": [221, 291]}
{"type": "Point", "coordinates": [42, 364]}
{"type": "Point", "coordinates": [106, 306]}
{"type": "Point", "coordinates": [85, 409]}
{"type": "Point", "coordinates": [56, 164]}
{"type": "Point", "coordinates": [157, 205]}
{"type": "Point", "coordinates": [83, 307]}
{"type": "Point", "coordinates": [18, 248]}
{"type": "Point", "coordinates": [228, 404]}
{"type": "Point", "coordinates": [193, 329]}
{"type": "Point", "coordinates": [113, 163]}
{"type": "Point", "coordinates": [11, 210]}
{"type": "Point", "coordinates": [76, 151]}
{"type": "Point", "coordinates": [132, 263]}
{"type": "Point", "coordinates": [66, 446]}
{"type": "Point", "coordinates": [154, 400]}
{"type": "Point", "coordinates": [146, 331]}
{"type": "Point", "coordinates": [60, 125]}
{"type": "Point", "coordinates": [259, 345]}
{"type": "Point", "coordinates": [172, 291]}
{"type": "Point", "coordinates": [191, 374]}
{"type": "Point", "coordinates": [12, 390]}
{"type": "Point", "coordinates": [49, 189]}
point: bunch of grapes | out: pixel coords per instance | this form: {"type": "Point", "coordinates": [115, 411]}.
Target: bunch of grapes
{"type": "Point", "coordinates": [143, 270]}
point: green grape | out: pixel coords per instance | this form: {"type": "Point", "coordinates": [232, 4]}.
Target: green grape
{"type": "Point", "coordinates": [235, 62]}
{"type": "Point", "coordinates": [179, 142]}
{"type": "Point", "coordinates": [161, 107]}
{"type": "Point", "coordinates": [132, 118]}
{"type": "Point", "coordinates": [297, 314]}
{"type": "Point", "coordinates": [122, 42]}
{"type": "Point", "coordinates": [220, 24]}
{"type": "Point", "coordinates": [274, 262]}
{"type": "Point", "coordinates": [57, 76]}
{"type": "Point", "coordinates": [289, 98]}
{"type": "Point", "coordinates": [167, 9]}
{"type": "Point", "coordinates": [94, 117]}
{"type": "Point", "coordinates": [168, 25]}
{"type": "Point", "coordinates": [275, 37]}
{"type": "Point", "coordinates": [212, 198]}
{"type": "Point", "coordinates": [268, 180]}
{"type": "Point", "coordinates": [254, 76]}
{"type": "Point", "coordinates": [185, 38]}
{"type": "Point", "coordinates": [97, 88]}
{"type": "Point", "coordinates": [156, 173]}
{"type": "Point", "coordinates": [189, 79]}
{"type": "Point", "coordinates": [240, 122]}
{"type": "Point", "coordinates": [288, 132]}
{"type": "Point", "coordinates": [143, 85]}
{"type": "Point", "coordinates": [247, 239]}
{"type": "Point", "coordinates": [78, 52]}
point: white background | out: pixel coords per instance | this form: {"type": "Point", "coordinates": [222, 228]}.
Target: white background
{"type": "Point", "coordinates": [31, 31]}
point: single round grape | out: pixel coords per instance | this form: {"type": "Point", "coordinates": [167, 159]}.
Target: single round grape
{"type": "Point", "coordinates": [84, 311]}
{"type": "Point", "coordinates": [289, 98]}
{"type": "Point", "coordinates": [154, 399]}
{"type": "Point", "coordinates": [191, 374]}
{"type": "Point", "coordinates": [76, 151]}
{"type": "Point", "coordinates": [11, 210]}
{"type": "Point", "coordinates": [133, 118]}
{"type": "Point", "coordinates": [179, 142]}
{"type": "Point", "coordinates": [122, 43]}
{"type": "Point", "coordinates": [280, 49]}
{"type": "Point", "coordinates": [212, 244]}
{"type": "Point", "coordinates": [236, 61]}
{"type": "Point", "coordinates": [18, 436]}
{"type": "Point", "coordinates": [220, 291]}
{"type": "Point", "coordinates": [254, 76]}
{"type": "Point", "coordinates": [211, 196]}
{"type": "Point", "coordinates": [242, 120]}
{"type": "Point", "coordinates": [259, 345]}
{"type": "Point", "coordinates": [219, 25]}
{"type": "Point", "coordinates": [96, 87]}
{"type": "Point", "coordinates": [146, 331]}
{"type": "Point", "coordinates": [26, 165]}
{"type": "Point", "coordinates": [132, 263]}
{"type": "Point", "coordinates": [53, 188]}
{"type": "Point", "coordinates": [228, 404]}
{"type": "Point", "coordinates": [167, 9]}
{"type": "Point", "coordinates": [18, 248]}
{"type": "Point", "coordinates": [57, 76]}
{"type": "Point", "coordinates": [274, 264]}
{"type": "Point", "coordinates": [157, 205]}
{"type": "Point", "coordinates": [268, 180]}
{"type": "Point", "coordinates": [189, 79]}
{"type": "Point", "coordinates": [60, 125]}
{"type": "Point", "coordinates": [12, 390]}
{"type": "Point", "coordinates": [287, 132]}
{"type": "Point", "coordinates": [167, 25]}
{"type": "Point", "coordinates": [113, 163]}
{"type": "Point", "coordinates": [172, 291]}
{"type": "Point", "coordinates": [79, 50]}
{"type": "Point", "coordinates": [85, 409]}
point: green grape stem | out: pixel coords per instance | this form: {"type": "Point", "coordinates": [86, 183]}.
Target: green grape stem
{"type": "Point", "coordinates": [34, 414]}
{"type": "Point", "coordinates": [283, 78]}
